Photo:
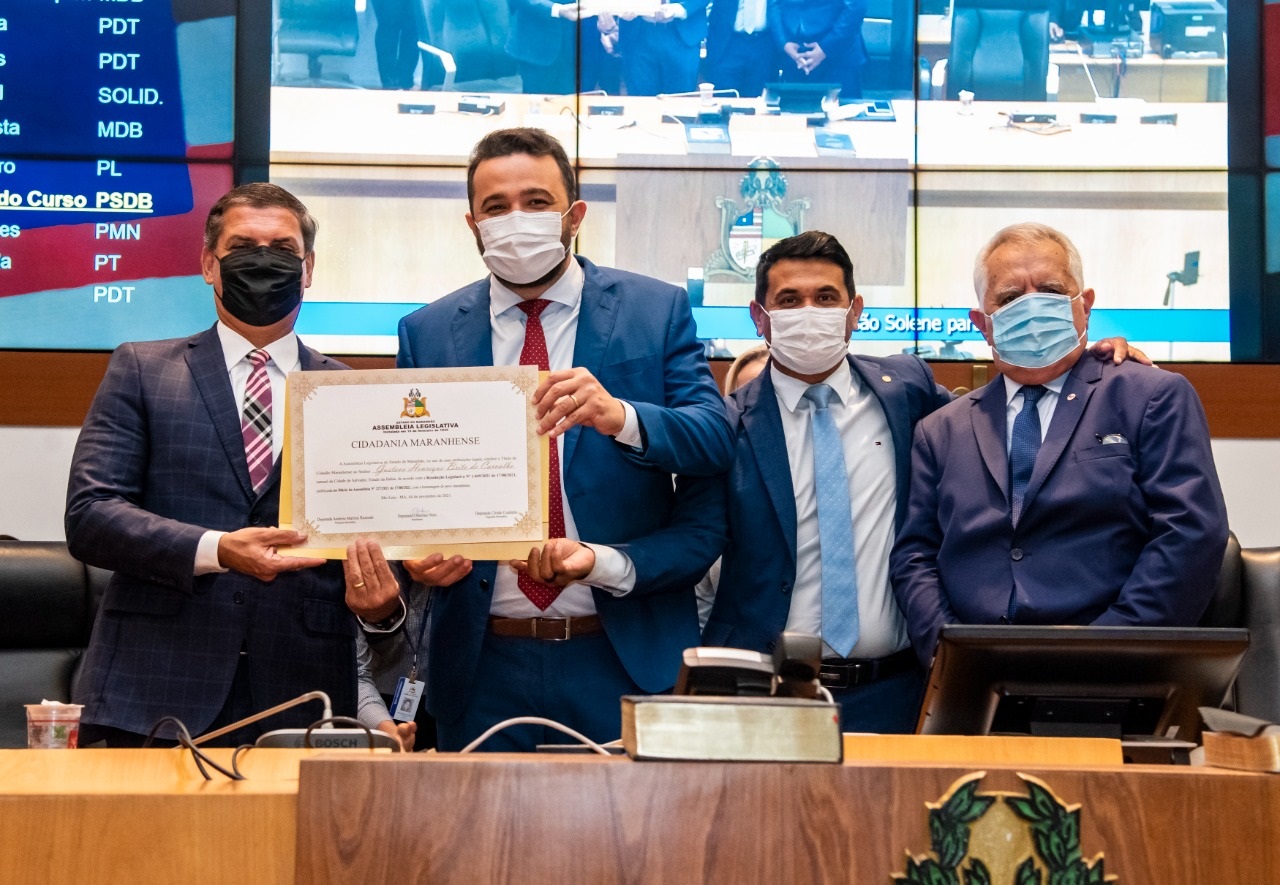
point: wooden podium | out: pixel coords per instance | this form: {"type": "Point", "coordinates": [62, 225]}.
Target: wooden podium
{"type": "Point", "coordinates": [589, 819]}
{"type": "Point", "coordinates": [146, 816]}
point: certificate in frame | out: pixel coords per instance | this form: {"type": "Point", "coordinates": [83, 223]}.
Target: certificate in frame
{"type": "Point", "coordinates": [421, 460]}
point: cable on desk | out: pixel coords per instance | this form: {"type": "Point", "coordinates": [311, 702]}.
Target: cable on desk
{"type": "Point", "coordinates": [185, 741]}
{"type": "Point", "coordinates": [535, 720]}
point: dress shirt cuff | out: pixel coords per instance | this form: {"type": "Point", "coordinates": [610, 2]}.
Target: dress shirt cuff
{"type": "Point", "coordinates": [614, 572]}
{"type": "Point", "coordinates": [389, 624]}
{"type": "Point", "coordinates": [207, 562]}
{"type": "Point", "coordinates": [630, 434]}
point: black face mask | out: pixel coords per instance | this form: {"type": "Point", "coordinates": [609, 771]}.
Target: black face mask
{"type": "Point", "coordinates": [260, 286]}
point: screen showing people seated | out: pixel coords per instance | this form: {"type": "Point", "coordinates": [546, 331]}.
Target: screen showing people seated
{"type": "Point", "coordinates": [701, 133]}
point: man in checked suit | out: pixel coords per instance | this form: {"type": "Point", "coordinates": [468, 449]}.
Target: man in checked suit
{"type": "Point", "coordinates": [175, 487]}
{"type": "Point", "coordinates": [1066, 491]}
{"type": "Point", "coordinates": [630, 401]}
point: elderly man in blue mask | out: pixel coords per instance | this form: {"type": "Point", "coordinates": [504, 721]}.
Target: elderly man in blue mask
{"type": "Point", "coordinates": [1069, 490]}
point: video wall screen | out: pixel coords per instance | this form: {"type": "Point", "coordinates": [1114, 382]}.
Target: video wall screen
{"type": "Point", "coordinates": [701, 137]}
{"type": "Point", "coordinates": [702, 133]}
{"type": "Point", "coordinates": [116, 136]}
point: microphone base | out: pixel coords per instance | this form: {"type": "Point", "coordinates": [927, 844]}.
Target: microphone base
{"type": "Point", "coordinates": [328, 739]}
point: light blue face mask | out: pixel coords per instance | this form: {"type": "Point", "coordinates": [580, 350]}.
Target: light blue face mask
{"type": "Point", "coordinates": [1034, 331]}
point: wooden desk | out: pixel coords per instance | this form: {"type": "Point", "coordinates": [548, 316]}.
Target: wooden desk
{"type": "Point", "coordinates": [1150, 77]}
{"type": "Point", "coordinates": [949, 139]}
{"type": "Point", "coordinates": [602, 821]}
{"type": "Point", "coordinates": [146, 816]}
{"type": "Point", "coordinates": [315, 125]}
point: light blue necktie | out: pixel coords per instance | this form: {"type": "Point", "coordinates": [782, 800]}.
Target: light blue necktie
{"type": "Point", "coordinates": [1024, 447]}
{"type": "Point", "coordinates": [835, 526]}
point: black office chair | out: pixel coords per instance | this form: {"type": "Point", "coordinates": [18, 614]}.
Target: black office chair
{"type": "Point", "coordinates": [889, 33]}
{"type": "Point", "coordinates": [314, 28]}
{"type": "Point", "coordinates": [999, 50]}
{"type": "Point", "coordinates": [465, 40]}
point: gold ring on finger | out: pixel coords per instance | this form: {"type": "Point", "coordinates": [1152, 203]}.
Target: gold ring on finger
{"type": "Point", "coordinates": [576, 404]}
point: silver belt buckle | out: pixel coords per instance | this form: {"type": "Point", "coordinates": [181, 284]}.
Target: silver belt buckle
{"type": "Point", "coordinates": [564, 621]}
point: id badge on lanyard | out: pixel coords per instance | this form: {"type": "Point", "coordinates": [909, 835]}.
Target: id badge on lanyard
{"type": "Point", "coordinates": [410, 689]}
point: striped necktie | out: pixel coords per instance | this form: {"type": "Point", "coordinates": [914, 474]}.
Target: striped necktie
{"type": "Point", "coordinates": [255, 421]}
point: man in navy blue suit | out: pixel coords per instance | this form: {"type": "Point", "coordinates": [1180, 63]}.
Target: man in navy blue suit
{"type": "Point", "coordinates": [740, 50]}
{"type": "Point", "coordinates": [175, 486]}
{"type": "Point", "coordinates": [777, 567]}
{"type": "Point", "coordinates": [606, 609]}
{"type": "Point", "coordinates": [660, 52]}
{"type": "Point", "coordinates": [558, 47]}
{"type": "Point", "coordinates": [1066, 491]}
{"type": "Point", "coordinates": [821, 41]}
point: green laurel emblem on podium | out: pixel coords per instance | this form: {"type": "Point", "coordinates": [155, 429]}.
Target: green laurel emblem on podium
{"type": "Point", "coordinates": [986, 838]}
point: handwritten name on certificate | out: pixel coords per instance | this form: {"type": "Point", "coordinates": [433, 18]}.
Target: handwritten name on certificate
{"type": "Point", "coordinates": [422, 460]}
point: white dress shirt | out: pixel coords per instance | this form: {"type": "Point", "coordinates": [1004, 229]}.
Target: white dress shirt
{"type": "Point", "coordinates": [284, 359]}
{"type": "Point", "coordinates": [613, 570]}
{"type": "Point", "coordinates": [873, 497]}
{"type": "Point", "coordinates": [1045, 406]}
{"type": "Point", "coordinates": [751, 16]}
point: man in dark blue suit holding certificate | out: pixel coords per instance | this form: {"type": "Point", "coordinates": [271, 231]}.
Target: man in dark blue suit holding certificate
{"type": "Point", "coordinates": [606, 607]}
{"type": "Point", "coordinates": [1066, 491]}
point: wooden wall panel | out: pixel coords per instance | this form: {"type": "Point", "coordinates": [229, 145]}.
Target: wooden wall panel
{"type": "Point", "coordinates": [43, 389]}
{"type": "Point", "coordinates": [512, 819]}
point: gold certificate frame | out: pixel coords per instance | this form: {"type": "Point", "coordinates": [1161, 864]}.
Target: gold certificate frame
{"type": "Point", "coordinates": [421, 460]}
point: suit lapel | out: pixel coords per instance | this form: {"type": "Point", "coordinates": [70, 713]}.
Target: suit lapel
{"type": "Point", "coordinates": [885, 385]}
{"type": "Point", "coordinates": [471, 329]}
{"type": "Point", "coordinates": [208, 367]}
{"type": "Point", "coordinates": [763, 425]}
{"type": "Point", "coordinates": [988, 415]}
{"type": "Point", "coordinates": [1066, 415]}
{"type": "Point", "coordinates": [597, 314]}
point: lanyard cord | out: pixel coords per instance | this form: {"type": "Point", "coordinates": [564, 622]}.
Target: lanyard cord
{"type": "Point", "coordinates": [422, 630]}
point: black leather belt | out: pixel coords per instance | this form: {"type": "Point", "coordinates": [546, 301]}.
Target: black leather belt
{"type": "Point", "coordinates": [550, 629]}
{"type": "Point", "coordinates": [852, 672]}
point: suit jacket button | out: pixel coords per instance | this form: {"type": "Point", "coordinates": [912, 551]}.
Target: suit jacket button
{"type": "Point", "coordinates": [1015, 554]}
{"type": "Point", "coordinates": [255, 520]}
{"type": "Point", "coordinates": [484, 584]}
{"type": "Point", "coordinates": [771, 646]}
{"type": "Point", "coordinates": [238, 597]}
{"type": "Point", "coordinates": [1004, 619]}
{"type": "Point", "coordinates": [786, 586]}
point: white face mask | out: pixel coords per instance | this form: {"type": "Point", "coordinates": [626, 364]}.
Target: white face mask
{"type": "Point", "coordinates": [522, 247]}
{"type": "Point", "coordinates": [808, 340]}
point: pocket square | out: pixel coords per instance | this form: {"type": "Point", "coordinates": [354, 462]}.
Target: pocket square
{"type": "Point", "coordinates": [1112, 439]}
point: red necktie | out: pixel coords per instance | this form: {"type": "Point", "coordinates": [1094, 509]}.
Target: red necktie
{"type": "Point", "coordinates": [255, 423]}
{"type": "Point", "coordinates": [534, 353]}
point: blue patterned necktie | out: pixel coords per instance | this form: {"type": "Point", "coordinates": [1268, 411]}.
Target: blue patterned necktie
{"type": "Point", "coordinates": [835, 526]}
{"type": "Point", "coordinates": [1025, 446]}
